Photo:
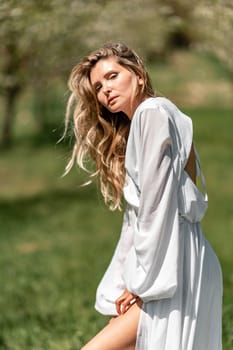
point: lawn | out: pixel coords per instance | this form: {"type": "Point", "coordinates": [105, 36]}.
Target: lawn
{"type": "Point", "coordinates": [56, 237]}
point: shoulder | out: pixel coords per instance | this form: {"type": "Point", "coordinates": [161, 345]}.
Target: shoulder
{"type": "Point", "coordinates": [170, 119]}
{"type": "Point", "coordinates": [150, 111]}
{"type": "Point", "coordinates": [153, 115]}
{"type": "Point", "coordinates": [158, 116]}
{"type": "Point", "coordinates": [151, 122]}
{"type": "Point", "coordinates": [161, 110]}
{"type": "Point", "coordinates": [151, 103]}
{"type": "Point", "coordinates": [156, 103]}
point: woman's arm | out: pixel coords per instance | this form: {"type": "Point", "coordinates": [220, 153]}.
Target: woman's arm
{"type": "Point", "coordinates": [152, 264]}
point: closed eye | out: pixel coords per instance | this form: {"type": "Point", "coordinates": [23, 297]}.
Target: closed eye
{"type": "Point", "coordinates": [112, 75]}
{"type": "Point", "coordinates": [109, 76]}
{"type": "Point", "coordinates": [97, 87]}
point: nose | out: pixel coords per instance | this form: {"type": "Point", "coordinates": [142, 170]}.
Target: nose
{"type": "Point", "coordinates": [107, 88]}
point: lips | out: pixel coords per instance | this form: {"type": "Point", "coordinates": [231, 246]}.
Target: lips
{"type": "Point", "coordinates": [111, 100]}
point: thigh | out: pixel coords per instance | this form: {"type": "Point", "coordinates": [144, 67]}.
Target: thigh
{"type": "Point", "coordinates": [120, 334]}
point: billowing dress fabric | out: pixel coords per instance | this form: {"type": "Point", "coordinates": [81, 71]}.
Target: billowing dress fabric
{"type": "Point", "coordinates": [162, 255]}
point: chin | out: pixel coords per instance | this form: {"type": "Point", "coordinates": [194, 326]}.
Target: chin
{"type": "Point", "coordinates": [114, 110]}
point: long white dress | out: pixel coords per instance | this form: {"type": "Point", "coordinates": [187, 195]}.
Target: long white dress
{"type": "Point", "coordinates": [162, 255]}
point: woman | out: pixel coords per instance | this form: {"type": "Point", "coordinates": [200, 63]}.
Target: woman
{"type": "Point", "coordinates": [163, 287]}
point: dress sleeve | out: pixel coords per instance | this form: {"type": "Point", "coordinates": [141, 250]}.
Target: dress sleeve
{"type": "Point", "coordinates": [152, 263]}
{"type": "Point", "coordinates": [112, 284]}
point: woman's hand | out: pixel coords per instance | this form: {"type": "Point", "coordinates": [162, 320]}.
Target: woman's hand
{"type": "Point", "coordinates": [125, 301]}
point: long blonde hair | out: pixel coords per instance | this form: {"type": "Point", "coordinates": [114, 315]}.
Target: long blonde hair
{"type": "Point", "coordinates": [100, 134]}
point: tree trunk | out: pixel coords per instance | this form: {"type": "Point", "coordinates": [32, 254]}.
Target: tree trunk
{"type": "Point", "coordinates": [10, 98]}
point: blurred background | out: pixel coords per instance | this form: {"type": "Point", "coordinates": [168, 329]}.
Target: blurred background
{"type": "Point", "coordinates": [56, 238]}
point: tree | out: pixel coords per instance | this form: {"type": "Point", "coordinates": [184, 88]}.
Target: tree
{"type": "Point", "coordinates": [215, 29]}
{"type": "Point", "coordinates": [34, 35]}
{"type": "Point", "coordinates": [19, 38]}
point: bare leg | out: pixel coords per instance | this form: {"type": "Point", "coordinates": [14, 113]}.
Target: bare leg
{"type": "Point", "coordinates": [119, 334]}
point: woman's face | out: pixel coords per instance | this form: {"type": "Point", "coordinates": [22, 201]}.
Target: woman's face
{"type": "Point", "coordinates": [115, 86]}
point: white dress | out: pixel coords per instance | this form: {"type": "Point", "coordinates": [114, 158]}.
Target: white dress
{"type": "Point", "coordinates": [162, 255]}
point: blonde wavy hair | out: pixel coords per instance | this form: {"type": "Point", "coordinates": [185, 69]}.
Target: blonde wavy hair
{"type": "Point", "coordinates": [100, 134]}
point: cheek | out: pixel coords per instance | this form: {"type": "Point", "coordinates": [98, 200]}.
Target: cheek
{"type": "Point", "coordinates": [101, 98]}
{"type": "Point", "coordinates": [130, 84]}
{"type": "Point", "coordinates": [132, 87]}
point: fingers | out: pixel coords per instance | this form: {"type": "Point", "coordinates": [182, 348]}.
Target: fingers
{"type": "Point", "coordinates": [125, 301]}
{"type": "Point", "coordinates": [118, 303]}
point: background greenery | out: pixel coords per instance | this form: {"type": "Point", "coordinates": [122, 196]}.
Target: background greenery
{"type": "Point", "coordinates": [56, 238]}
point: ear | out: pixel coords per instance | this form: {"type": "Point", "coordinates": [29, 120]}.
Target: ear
{"type": "Point", "coordinates": [140, 80]}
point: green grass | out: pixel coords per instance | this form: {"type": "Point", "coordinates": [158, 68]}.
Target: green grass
{"type": "Point", "coordinates": [55, 244]}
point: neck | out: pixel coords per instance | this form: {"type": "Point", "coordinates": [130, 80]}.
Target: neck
{"type": "Point", "coordinates": [135, 105]}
